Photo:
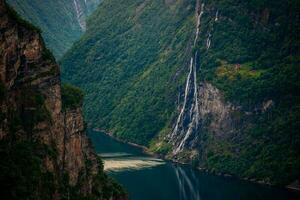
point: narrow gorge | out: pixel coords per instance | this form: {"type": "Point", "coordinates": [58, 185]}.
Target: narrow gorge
{"type": "Point", "coordinates": [210, 88]}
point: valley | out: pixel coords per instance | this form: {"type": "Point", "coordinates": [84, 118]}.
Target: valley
{"type": "Point", "coordinates": [208, 88]}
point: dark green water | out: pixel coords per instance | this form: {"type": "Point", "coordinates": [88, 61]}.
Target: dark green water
{"type": "Point", "coordinates": [176, 182]}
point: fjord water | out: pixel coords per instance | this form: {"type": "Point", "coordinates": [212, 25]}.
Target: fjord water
{"type": "Point", "coordinates": [168, 181]}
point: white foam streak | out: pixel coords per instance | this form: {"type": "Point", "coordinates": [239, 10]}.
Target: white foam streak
{"type": "Point", "coordinates": [208, 41]}
{"type": "Point", "coordinates": [193, 112]}
{"type": "Point", "coordinates": [79, 14]}
{"type": "Point", "coordinates": [187, 189]}
{"type": "Point", "coordinates": [187, 87]}
{"type": "Point", "coordinates": [217, 16]}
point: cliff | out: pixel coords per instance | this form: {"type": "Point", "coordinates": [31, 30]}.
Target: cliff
{"type": "Point", "coordinates": [45, 153]}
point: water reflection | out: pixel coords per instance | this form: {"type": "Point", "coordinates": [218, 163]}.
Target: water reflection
{"type": "Point", "coordinates": [146, 178]}
{"type": "Point", "coordinates": [187, 184]}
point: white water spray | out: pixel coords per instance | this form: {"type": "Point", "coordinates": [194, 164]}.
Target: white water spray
{"type": "Point", "coordinates": [208, 41]}
{"type": "Point", "coordinates": [217, 16]}
{"type": "Point", "coordinates": [193, 112]}
{"type": "Point", "coordinates": [187, 86]}
{"type": "Point", "coordinates": [79, 14]}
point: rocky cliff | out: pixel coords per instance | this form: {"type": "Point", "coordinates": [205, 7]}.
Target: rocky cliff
{"type": "Point", "coordinates": [62, 22]}
{"type": "Point", "coordinates": [45, 153]}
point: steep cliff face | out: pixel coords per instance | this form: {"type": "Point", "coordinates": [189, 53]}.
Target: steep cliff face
{"type": "Point", "coordinates": [62, 22]}
{"type": "Point", "coordinates": [45, 153]}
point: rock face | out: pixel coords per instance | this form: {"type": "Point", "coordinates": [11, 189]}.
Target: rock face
{"type": "Point", "coordinates": [214, 110]}
{"type": "Point", "coordinates": [215, 117]}
{"type": "Point", "coordinates": [77, 150]}
{"type": "Point", "coordinates": [31, 112]}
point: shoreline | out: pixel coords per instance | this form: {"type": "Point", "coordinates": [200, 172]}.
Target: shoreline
{"type": "Point", "coordinates": [143, 148]}
{"type": "Point", "coordinates": [294, 187]}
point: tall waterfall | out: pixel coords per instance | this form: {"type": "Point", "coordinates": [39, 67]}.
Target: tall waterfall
{"type": "Point", "coordinates": [80, 14]}
{"type": "Point", "coordinates": [187, 121]}
{"type": "Point", "coordinates": [208, 40]}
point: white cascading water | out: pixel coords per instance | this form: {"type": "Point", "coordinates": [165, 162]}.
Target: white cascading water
{"type": "Point", "coordinates": [80, 15]}
{"type": "Point", "coordinates": [193, 112]}
{"type": "Point", "coordinates": [208, 41]}
{"type": "Point", "coordinates": [187, 86]}
{"type": "Point", "coordinates": [217, 16]}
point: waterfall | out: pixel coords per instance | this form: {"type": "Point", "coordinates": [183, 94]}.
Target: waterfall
{"type": "Point", "coordinates": [196, 90]}
{"type": "Point", "coordinates": [187, 87]}
{"type": "Point", "coordinates": [198, 24]}
{"type": "Point", "coordinates": [79, 14]}
{"type": "Point", "coordinates": [217, 16]}
{"type": "Point", "coordinates": [192, 112]}
{"type": "Point", "coordinates": [208, 40]}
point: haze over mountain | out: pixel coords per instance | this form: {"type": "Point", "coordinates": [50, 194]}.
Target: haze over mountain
{"type": "Point", "coordinates": [62, 22]}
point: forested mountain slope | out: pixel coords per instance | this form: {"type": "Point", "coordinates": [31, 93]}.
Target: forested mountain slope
{"type": "Point", "coordinates": [127, 67]}
{"type": "Point", "coordinates": [225, 97]}
{"type": "Point", "coordinates": [62, 21]}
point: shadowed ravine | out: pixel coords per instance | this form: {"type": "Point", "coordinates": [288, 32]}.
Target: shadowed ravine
{"type": "Point", "coordinates": [147, 178]}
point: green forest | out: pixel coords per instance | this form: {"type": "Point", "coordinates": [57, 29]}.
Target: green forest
{"type": "Point", "coordinates": [132, 73]}
{"type": "Point", "coordinates": [57, 19]}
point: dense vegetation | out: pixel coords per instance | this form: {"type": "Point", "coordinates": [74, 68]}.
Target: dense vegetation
{"type": "Point", "coordinates": [72, 97]}
{"type": "Point", "coordinates": [133, 69]}
{"type": "Point", "coordinates": [23, 176]}
{"type": "Point", "coordinates": [127, 67]}
{"type": "Point", "coordinates": [254, 59]}
{"type": "Point", "coordinates": [21, 173]}
{"type": "Point", "coordinates": [57, 19]}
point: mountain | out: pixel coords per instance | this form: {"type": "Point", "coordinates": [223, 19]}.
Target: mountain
{"type": "Point", "coordinates": [44, 150]}
{"type": "Point", "coordinates": [62, 22]}
{"type": "Point", "coordinates": [211, 83]}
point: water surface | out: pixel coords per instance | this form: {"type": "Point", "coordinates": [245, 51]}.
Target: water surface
{"type": "Point", "coordinates": [147, 178]}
